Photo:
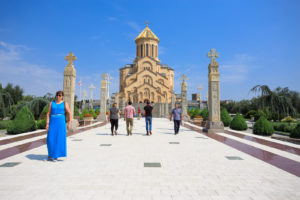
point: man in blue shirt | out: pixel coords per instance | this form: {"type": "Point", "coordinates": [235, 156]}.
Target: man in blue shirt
{"type": "Point", "coordinates": [177, 117]}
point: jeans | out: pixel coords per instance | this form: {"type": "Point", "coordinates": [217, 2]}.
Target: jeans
{"type": "Point", "coordinates": [114, 123]}
{"type": "Point", "coordinates": [176, 126]}
{"type": "Point", "coordinates": [148, 120]}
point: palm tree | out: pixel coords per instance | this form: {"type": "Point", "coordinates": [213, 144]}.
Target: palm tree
{"type": "Point", "coordinates": [278, 101]}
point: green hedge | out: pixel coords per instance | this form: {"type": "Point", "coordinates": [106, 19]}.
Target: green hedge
{"type": "Point", "coordinates": [4, 124]}
{"type": "Point", "coordinates": [225, 117]}
{"type": "Point", "coordinates": [23, 122]}
{"type": "Point", "coordinates": [238, 123]}
{"type": "Point", "coordinates": [263, 127]}
{"type": "Point", "coordinates": [283, 126]}
{"type": "Point", "coordinates": [296, 132]}
{"type": "Point", "coordinates": [204, 113]}
{"type": "Point", "coordinates": [41, 124]}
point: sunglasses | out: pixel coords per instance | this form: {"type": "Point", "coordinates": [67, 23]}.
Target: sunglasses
{"type": "Point", "coordinates": [60, 95]}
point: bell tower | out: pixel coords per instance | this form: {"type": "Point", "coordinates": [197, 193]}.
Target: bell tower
{"type": "Point", "coordinates": [147, 44]}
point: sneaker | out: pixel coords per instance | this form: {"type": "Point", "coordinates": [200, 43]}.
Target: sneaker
{"type": "Point", "coordinates": [150, 132]}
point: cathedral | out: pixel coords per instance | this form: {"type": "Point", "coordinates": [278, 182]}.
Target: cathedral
{"type": "Point", "coordinates": [146, 79]}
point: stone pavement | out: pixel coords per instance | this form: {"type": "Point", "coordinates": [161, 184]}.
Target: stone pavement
{"type": "Point", "coordinates": [101, 166]}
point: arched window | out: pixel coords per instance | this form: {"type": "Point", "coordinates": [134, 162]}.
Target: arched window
{"type": "Point", "coordinates": [141, 50]}
{"type": "Point", "coordinates": [156, 51]}
{"type": "Point", "coordinates": [152, 51]}
{"type": "Point", "coordinates": [146, 49]}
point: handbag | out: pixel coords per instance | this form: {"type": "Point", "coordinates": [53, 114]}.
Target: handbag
{"type": "Point", "coordinates": [67, 116]}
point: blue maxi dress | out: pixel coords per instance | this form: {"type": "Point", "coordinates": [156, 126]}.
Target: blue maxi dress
{"type": "Point", "coordinates": [57, 134]}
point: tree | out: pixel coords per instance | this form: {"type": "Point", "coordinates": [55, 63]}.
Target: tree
{"type": "Point", "coordinates": [15, 92]}
{"type": "Point", "coordinates": [6, 102]}
{"type": "Point", "coordinates": [278, 101]}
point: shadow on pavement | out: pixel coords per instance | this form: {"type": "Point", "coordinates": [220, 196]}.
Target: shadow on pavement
{"type": "Point", "coordinates": [36, 157]}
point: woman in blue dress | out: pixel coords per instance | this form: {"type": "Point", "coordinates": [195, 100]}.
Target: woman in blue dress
{"type": "Point", "coordinates": [56, 127]}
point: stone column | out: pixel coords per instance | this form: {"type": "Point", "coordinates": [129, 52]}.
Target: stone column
{"type": "Point", "coordinates": [167, 109]}
{"type": "Point", "coordinates": [184, 102]}
{"type": "Point", "coordinates": [173, 100]}
{"type": "Point", "coordinates": [214, 123]}
{"type": "Point", "coordinates": [103, 98]}
{"type": "Point", "coordinates": [69, 85]}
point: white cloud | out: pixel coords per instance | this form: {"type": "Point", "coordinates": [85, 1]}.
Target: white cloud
{"type": "Point", "coordinates": [135, 26]}
{"type": "Point", "coordinates": [34, 79]}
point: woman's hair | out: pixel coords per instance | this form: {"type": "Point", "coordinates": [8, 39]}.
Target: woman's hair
{"type": "Point", "coordinates": [59, 93]}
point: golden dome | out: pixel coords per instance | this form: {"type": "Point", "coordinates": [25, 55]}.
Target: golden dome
{"type": "Point", "coordinates": [147, 34]}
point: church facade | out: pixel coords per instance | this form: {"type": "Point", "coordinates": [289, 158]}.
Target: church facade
{"type": "Point", "coordinates": [146, 79]}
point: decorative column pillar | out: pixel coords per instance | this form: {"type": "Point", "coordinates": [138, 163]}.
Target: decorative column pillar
{"type": "Point", "coordinates": [173, 100]}
{"type": "Point", "coordinates": [184, 103]}
{"type": "Point", "coordinates": [214, 123]}
{"type": "Point", "coordinates": [103, 98]}
{"type": "Point", "coordinates": [69, 85]}
{"type": "Point", "coordinates": [166, 108]}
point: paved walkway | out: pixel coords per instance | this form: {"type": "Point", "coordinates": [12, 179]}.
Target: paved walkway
{"type": "Point", "coordinates": [192, 166]}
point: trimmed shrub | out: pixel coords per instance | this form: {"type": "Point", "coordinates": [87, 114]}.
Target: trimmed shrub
{"type": "Point", "coordinates": [238, 123]}
{"type": "Point", "coordinates": [97, 111]}
{"type": "Point", "coordinates": [41, 124]}
{"type": "Point", "coordinates": [263, 127]}
{"type": "Point", "coordinates": [204, 114]}
{"type": "Point", "coordinates": [288, 119]}
{"type": "Point", "coordinates": [76, 111]}
{"type": "Point", "coordinates": [282, 127]}
{"type": "Point", "coordinates": [225, 117]}
{"type": "Point", "coordinates": [91, 111]}
{"type": "Point", "coordinates": [296, 132]}
{"type": "Point", "coordinates": [23, 122]}
{"type": "Point", "coordinates": [4, 124]}
{"type": "Point", "coordinates": [85, 111]}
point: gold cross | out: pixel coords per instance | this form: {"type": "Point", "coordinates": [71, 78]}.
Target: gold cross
{"type": "Point", "coordinates": [147, 23]}
{"type": "Point", "coordinates": [70, 58]}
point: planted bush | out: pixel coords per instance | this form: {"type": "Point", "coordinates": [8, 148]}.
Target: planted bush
{"type": "Point", "coordinates": [263, 127]}
{"type": "Point", "coordinates": [23, 122]}
{"type": "Point", "coordinates": [41, 124]}
{"type": "Point", "coordinates": [238, 123]}
{"type": "Point", "coordinates": [91, 111]}
{"type": "Point", "coordinates": [4, 124]}
{"type": "Point", "coordinates": [296, 132]}
{"type": "Point", "coordinates": [204, 114]}
{"type": "Point", "coordinates": [225, 117]}
{"type": "Point", "coordinates": [76, 111]}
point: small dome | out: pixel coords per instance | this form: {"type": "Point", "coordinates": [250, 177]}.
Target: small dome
{"type": "Point", "coordinates": [147, 34]}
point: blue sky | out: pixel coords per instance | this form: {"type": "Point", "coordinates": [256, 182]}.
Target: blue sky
{"type": "Point", "coordinates": [258, 42]}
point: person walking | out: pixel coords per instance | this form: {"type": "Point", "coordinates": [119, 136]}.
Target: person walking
{"type": "Point", "coordinates": [139, 113]}
{"type": "Point", "coordinates": [113, 116]}
{"type": "Point", "coordinates": [177, 117]}
{"type": "Point", "coordinates": [148, 118]}
{"type": "Point", "coordinates": [129, 112]}
{"type": "Point", "coordinates": [58, 112]}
